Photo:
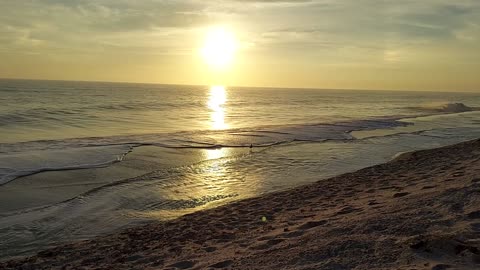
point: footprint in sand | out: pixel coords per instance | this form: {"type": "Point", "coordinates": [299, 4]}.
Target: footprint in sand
{"type": "Point", "coordinates": [268, 244]}
{"type": "Point", "coordinates": [210, 249]}
{"type": "Point", "coordinates": [475, 227]}
{"type": "Point", "coordinates": [400, 194]}
{"type": "Point", "coordinates": [292, 234]}
{"type": "Point", "coordinates": [312, 224]}
{"type": "Point", "coordinates": [347, 210]}
{"type": "Point", "coordinates": [265, 238]}
{"type": "Point", "coordinates": [473, 215]}
{"type": "Point", "coordinates": [373, 202]}
{"type": "Point", "coordinates": [223, 264]}
{"type": "Point", "coordinates": [183, 265]}
{"type": "Point", "coordinates": [458, 174]}
{"type": "Point", "coordinates": [441, 267]}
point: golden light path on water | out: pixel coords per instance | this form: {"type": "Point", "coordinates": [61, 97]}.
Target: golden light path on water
{"type": "Point", "coordinates": [217, 100]}
{"type": "Point", "coordinates": [216, 153]}
{"type": "Point", "coordinates": [216, 104]}
{"type": "Point", "coordinates": [215, 181]}
{"type": "Point", "coordinates": [216, 176]}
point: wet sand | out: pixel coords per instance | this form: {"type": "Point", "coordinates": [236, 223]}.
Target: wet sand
{"type": "Point", "coordinates": [419, 211]}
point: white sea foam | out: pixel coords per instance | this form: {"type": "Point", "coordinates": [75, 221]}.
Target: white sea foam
{"type": "Point", "coordinates": [17, 164]}
{"type": "Point", "coordinates": [25, 158]}
{"type": "Point", "coordinates": [445, 107]}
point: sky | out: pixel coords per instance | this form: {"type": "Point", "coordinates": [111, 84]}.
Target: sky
{"type": "Point", "coordinates": [331, 44]}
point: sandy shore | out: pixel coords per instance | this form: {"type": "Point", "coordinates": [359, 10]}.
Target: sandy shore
{"type": "Point", "coordinates": [420, 211]}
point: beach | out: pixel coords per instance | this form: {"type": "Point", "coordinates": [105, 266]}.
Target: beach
{"type": "Point", "coordinates": [122, 155]}
{"type": "Point", "coordinates": [419, 211]}
{"type": "Point", "coordinates": [239, 135]}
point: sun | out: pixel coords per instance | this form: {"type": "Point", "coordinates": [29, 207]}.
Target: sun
{"type": "Point", "coordinates": [219, 47]}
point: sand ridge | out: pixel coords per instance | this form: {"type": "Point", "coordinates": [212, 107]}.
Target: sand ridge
{"type": "Point", "coordinates": [420, 211]}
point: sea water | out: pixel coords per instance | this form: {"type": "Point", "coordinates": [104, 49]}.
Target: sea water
{"type": "Point", "coordinates": [80, 159]}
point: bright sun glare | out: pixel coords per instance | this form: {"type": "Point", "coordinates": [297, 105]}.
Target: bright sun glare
{"type": "Point", "coordinates": [219, 47]}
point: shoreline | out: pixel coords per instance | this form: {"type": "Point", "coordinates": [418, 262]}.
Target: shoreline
{"type": "Point", "coordinates": [418, 211]}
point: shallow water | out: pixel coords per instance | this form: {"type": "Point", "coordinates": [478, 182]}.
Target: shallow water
{"type": "Point", "coordinates": [154, 152]}
{"type": "Point", "coordinates": [53, 125]}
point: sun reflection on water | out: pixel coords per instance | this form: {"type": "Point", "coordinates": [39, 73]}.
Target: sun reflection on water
{"type": "Point", "coordinates": [216, 153]}
{"type": "Point", "coordinates": [216, 101]}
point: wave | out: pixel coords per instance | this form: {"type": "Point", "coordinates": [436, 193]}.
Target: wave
{"type": "Point", "coordinates": [26, 158]}
{"type": "Point", "coordinates": [15, 165]}
{"type": "Point", "coordinates": [64, 115]}
{"type": "Point", "coordinates": [445, 108]}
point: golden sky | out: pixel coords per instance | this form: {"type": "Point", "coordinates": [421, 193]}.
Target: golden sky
{"type": "Point", "coordinates": [348, 44]}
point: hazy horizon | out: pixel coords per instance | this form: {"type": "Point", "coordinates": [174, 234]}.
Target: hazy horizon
{"type": "Point", "coordinates": [246, 86]}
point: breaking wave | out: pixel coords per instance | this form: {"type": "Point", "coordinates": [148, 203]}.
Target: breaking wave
{"type": "Point", "coordinates": [446, 108]}
{"type": "Point", "coordinates": [26, 158]}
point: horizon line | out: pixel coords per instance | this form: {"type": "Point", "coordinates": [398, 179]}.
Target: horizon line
{"type": "Point", "coordinates": [244, 86]}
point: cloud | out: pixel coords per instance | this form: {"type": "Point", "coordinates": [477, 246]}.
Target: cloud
{"type": "Point", "coordinates": [77, 25]}
{"type": "Point", "coordinates": [102, 15]}
{"type": "Point", "coordinates": [382, 21]}
{"type": "Point", "coordinates": [168, 26]}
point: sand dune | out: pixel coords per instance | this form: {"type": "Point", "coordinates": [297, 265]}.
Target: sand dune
{"type": "Point", "coordinates": [420, 211]}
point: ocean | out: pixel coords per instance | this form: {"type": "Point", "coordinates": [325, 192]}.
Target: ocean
{"type": "Point", "coordinates": [81, 159]}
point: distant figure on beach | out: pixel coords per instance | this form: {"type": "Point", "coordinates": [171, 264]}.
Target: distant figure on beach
{"type": "Point", "coordinates": [251, 146]}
